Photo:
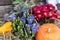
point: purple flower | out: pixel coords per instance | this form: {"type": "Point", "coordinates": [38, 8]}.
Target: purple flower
{"type": "Point", "coordinates": [35, 27]}
{"type": "Point", "coordinates": [12, 16]}
{"type": "Point", "coordinates": [23, 19]}
{"type": "Point", "coordinates": [30, 19]}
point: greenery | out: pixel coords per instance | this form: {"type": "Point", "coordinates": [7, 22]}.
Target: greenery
{"type": "Point", "coordinates": [46, 20]}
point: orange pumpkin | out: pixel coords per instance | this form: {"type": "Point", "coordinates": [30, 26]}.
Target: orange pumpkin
{"type": "Point", "coordinates": [48, 31]}
{"type": "Point", "coordinates": [6, 27]}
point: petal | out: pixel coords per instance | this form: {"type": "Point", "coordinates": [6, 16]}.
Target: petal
{"type": "Point", "coordinates": [12, 16]}
{"type": "Point", "coordinates": [23, 19]}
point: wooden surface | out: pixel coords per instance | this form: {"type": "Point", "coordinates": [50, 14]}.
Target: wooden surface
{"type": "Point", "coordinates": [5, 2]}
{"type": "Point", "coordinates": [3, 11]}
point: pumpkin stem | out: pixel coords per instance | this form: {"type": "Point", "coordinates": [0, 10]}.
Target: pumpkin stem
{"type": "Point", "coordinates": [49, 29]}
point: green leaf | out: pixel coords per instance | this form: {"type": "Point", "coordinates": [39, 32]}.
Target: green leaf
{"type": "Point", "coordinates": [41, 22]}
{"type": "Point", "coordinates": [32, 2]}
{"type": "Point", "coordinates": [26, 5]}
{"type": "Point", "coordinates": [17, 2]}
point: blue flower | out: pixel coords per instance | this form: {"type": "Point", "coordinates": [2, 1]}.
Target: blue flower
{"type": "Point", "coordinates": [12, 16]}
{"type": "Point", "coordinates": [35, 24]}
{"type": "Point", "coordinates": [24, 11]}
{"type": "Point", "coordinates": [29, 25]}
{"type": "Point", "coordinates": [30, 19]}
{"type": "Point", "coordinates": [23, 19]}
{"type": "Point", "coordinates": [35, 27]}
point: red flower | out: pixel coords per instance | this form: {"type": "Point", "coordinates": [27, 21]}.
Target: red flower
{"type": "Point", "coordinates": [58, 16]}
{"type": "Point", "coordinates": [44, 11]}
{"type": "Point", "coordinates": [35, 15]}
{"type": "Point", "coordinates": [45, 14]}
{"type": "Point", "coordinates": [45, 8]}
{"type": "Point", "coordinates": [33, 9]}
{"type": "Point", "coordinates": [38, 16]}
{"type": "Point", "coordinates": [52, 18]}
{"type": "Point", "coordinates": [52, 15]}
{"type": "Point", "coordinates": [55, 11]}
{"type": "Point", "coordinates": [50, 6]}
{"type": "Point", "coordinates": [38, 11]}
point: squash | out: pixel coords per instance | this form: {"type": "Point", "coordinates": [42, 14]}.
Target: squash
{"type": "Point", "coordinates": [48, 31]}
{"type": "Point", "coordinates": [6, 27]}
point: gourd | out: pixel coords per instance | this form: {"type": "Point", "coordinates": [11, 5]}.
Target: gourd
{"type": "Point", "coordinates": [48, 31]}
{"type": "Point", "coordinates": [6, 27]}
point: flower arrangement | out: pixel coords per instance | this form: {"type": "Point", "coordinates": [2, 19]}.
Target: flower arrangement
{"type": "Point", "coordinates": [25, 27]}
{"type": "Point", "coordinates": [26, 22]}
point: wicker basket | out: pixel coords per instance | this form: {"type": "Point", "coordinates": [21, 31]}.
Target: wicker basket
{"type": "Point", "coordinates": [57, 22]}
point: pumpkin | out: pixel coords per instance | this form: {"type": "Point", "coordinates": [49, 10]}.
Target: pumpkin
{"type": "Point", "coordinates": [6, 27]}
{"type": "Point", "coordinates": [48, 31]}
